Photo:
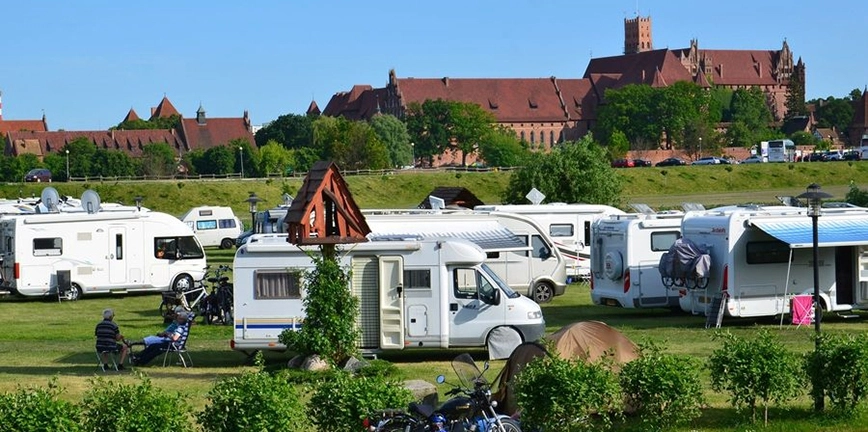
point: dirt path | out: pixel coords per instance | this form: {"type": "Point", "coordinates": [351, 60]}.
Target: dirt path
{"type": "Point", "coordinates": [730, 198]}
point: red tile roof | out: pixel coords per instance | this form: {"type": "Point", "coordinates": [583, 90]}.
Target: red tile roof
{"type": "Point", "coordinates": [131, 116]}
{"type": "Point", "coordinates": [22, 125]}
{"type": "Point", "coordinates": [215, 132]}
{"type": "Point", "coordinates": [128, 141]}
{"type": "Point", "coordinates": [164, 109]}
{"type": "Point", "coordinates": [647, 67]}
{"type": "Point", "coordinates": [360, 103]}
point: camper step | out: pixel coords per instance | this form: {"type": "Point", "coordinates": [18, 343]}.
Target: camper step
{"type": "Point", "coordinates": [848, 316]}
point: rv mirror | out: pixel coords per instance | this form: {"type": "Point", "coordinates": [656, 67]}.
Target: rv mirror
{"type": "Point", "coordinates": [496, 299]}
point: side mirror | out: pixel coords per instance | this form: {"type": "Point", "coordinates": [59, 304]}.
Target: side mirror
{"type": "Point", "coordinates": [545, 254]}
{"type": "Point", "coordinates": [496, 299]}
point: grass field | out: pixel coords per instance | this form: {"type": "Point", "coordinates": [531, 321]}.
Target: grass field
{"type": "Point", "coordinates": [44, 338]}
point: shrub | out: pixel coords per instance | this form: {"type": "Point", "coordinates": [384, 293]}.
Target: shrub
{"type": "Point", "coordinates": [663, 389]}
{"type": "Point", "coordinates": [254, 401]}
{"type": "Point", "coordinates": [567, 395]}
{"type": "Point", "coordinates": [118, 407]}
{"type": "Point", "coordinates": [754, 370]}
{"type": "Point", "coordinates": [839, 370]}
{"type": "Point", "coordinates": [329, 328]}
{"type": "Point", "coordinates": [341, 401]}
{"type": "Point", "coordinates": [856, 196]}
{"type": "Point", "coordinates": [38, 409]}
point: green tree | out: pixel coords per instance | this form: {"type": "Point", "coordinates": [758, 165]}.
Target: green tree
{"type": "Point", "coordinates": [470, 126]}
{"type": "Point", "coordinates": [392, 132]}
{"type": "Point", "coordinates": [350, 144]}
{"type": "Point", "coordinates": [618, 145]}
{"type": "Point", "coordinates": [82, 157]}
{"type": "Point", "coordinates": [438, 126]}
{"type": "Point", "coordinates": [750, 118]}
{"type": "Point", "coordinates": [247, 154]}
{"type": "Point", "coordinates": [630, 110]}
{"type": "Point", "coordinates": [795, 96]}
{"type": "Point", "coordinates": [573, 172]}
{"type": "Point", "coordinates": [171, 122]}
{"type": "Point", "coordinates": [158, 159]}
{"type": "Point", "coordinates": [679, 106]}
{"type": "Point", "coordinates": [274, 158]}
{"type": "Point", "coordinates": [293, 131]}
{"type": "Point", "coordinates": [503, 149]}
{"type": "Point", "coordinates": [193, 159]}
{"type": "Point", "coordinates": [218, 160]}
{"type": "Point", "coordinates": [115, 163]}
{"type": "Point", "coordinates": [834, 112]}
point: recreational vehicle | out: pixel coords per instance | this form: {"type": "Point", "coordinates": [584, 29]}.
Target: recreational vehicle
{"type": "Point", "coordinates": [435, 293]}
{"type": "Point", "coordinates": [625, 253]}
{"type": "Point", "coordinates": [86, 253]}
{"type": "Point", "coordinates": [762, 256]}
{"type": "Point", "coordinates": [568, 225]}
{"type": "Point", "coordinates": [518, 249]}
{"type": "Point", "coordinates": [213, 226]}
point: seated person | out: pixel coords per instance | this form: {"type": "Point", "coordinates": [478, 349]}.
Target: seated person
{"type": "Point", "coordinates": [154, 345]}
{"type": "Point", "coordinates": [107, 337]}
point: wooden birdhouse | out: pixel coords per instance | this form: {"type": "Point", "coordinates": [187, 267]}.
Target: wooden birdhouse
{"type": "Point", "coordinates": [324, 212]}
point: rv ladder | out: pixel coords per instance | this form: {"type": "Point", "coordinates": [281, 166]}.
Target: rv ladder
{"type": "Point", "coordinates": [715, 311]}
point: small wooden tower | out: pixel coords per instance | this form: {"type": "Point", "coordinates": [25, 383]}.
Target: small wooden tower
{"type": "Point", "coordinates": [324, 212]}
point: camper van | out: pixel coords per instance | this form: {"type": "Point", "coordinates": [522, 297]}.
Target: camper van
{"type": "Point", "coordinates": [426, 293]}
{"type": "Point", "coordinates": [568, 225]}
{"type": "Point", "coordinates": [518, 249]}
{"type": "Point", "coordinates": [625, 254]}
{"type": "Point", "coordinates": [213, 226]}
{"type": "Point", "coordinates": [762, 256]}
{"type": "Point", "coordinates": [101, 252]}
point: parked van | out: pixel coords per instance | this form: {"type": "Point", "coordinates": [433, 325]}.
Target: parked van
{"type": "Point", "coordinates": [625, 254]}
{"type": "Point", "coordinates": [100, 252]}
{"type": "Point", "coordinates": [762, 256]}
{"type": "Point", "coordinates": [425, 293]}
{"type": "Point", "coordinates": [568, 225]}
{"type": "Point", "coordinates": [213, 226]}
{"type": "Point", "coordinates": [518, 249]}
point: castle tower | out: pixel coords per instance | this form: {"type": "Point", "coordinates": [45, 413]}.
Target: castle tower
{"type": "Point", "coordinates": [637, 35]}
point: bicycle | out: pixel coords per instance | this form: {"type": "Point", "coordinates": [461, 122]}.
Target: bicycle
{"type": "Point", "coordinates": [187, 300]}
{"type": "Point", "coordinates": [218, 305]}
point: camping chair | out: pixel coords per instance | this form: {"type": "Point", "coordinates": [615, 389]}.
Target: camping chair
{"type": "Point", "coordinates": [802, 309]}
{"type": "Point", "coordinates": [179, 347]}
{"type": "Point", "coordinates": [110, 357]}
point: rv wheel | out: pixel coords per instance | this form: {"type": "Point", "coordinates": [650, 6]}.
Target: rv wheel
{"type": "Point", "coordinates": [183, 283]}
{"type": "Point", "coordinates": [543, 292]}
{"type": "Point", "coordinates": [73, 293]}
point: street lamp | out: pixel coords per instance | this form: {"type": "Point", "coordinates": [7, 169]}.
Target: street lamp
{"type": "Point", "coordinates": [700, 147]}
{"type": "Point", "coordinates": [413, 149]}
{"type": "Point", "coordinates": [252, 201]}
{"type": "Point", "coordinates": [241, 155]}
{"type": "Point", "coordinates": [67, 164]}
{"type": "Point", "coordinates": [138, 200]}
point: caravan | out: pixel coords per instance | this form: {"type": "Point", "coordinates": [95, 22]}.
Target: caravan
{"type": "Point", "coordinates": [101, 252]}
{"type": "Point", "coordinates": [434, 293]}
{"type": "Point", "coordinates": [213, 226]}
{"type": "Point", "coordinates": [625, 253]}
{"type": "Point", "coordinates": [762, 256]}
{"type": "Point", "coordinates": [518, 249]}
{"type": "Point", "coordinates": [568, 225]}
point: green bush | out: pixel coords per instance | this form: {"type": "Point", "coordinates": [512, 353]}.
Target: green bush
{"type": "Point", "coordinates": [856, 196]}
{"type": "Point", "coordinates": [567, 395]}
{"type": "Point", "coordinates": [118, 407]}
{"type": "Point", "coordinates": [341, 401]}
{"type": "Point", "coordinates": [839, 370]}
{"type": "Point", "coordinates": [254, 401]}
{"type": "Point", "coordinates": [38, 409]}
{"type": "Point", "coordinates": [663, 389]}
{"type": "Point", "coordinates": [753, 371]}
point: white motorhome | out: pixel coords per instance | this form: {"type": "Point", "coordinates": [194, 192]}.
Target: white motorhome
{"type": "Point", "coordinates": [435, 293]}
{"type": "Point", "coordinates": [518, 249]}
{"type": "Point", "coordinates": [568, 225]}
{"type": "Point", "coordinates": [762, 256]}
{"type": "Point", "coordinates": [625, 254]}
{"type": "Point", "coordinates": [102, 252]}
{"type": "Point", "coordinates": [213, 226]}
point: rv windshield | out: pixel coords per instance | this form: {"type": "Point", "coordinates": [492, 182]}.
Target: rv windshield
{"type": "Point", "coordinates": [507, 291]}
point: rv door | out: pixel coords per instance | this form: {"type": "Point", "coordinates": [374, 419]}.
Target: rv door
{"type": "Point", "coordinates": [391, 302]}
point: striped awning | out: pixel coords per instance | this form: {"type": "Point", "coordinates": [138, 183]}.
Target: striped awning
{"type": "Point", "coordinates": [832, 231]}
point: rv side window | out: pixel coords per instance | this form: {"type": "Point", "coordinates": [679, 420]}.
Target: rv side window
{"type": "Point", "coordinates": [206, 225]}
{"type": "Point", "coordinates": [767, 252]}
{"type": "Point", "coordinates": [227, 223]}
{"type": "Point", "coordinates": [469, 284]}
{"type": "Point", "coordinates": [492, 255]}
{"type": "Point", "coordinates": [662, 241]}
{"type": "Point", "coordinates": [189, 248]}
{"type": "Point", "coordinates": [119, 246]}
{"type": "Point", "coordinates": [561, 230]}
{"type": "Point", "coordinates": [48, 246]}
{"type": "Point", "coordinates": [269, 285]}
{"type": "Point", "coordinates": [164, 248]}
{"type": "Point", "coordinates": [539, 248]}
{"type": "Point", "coordinates": [417, 279]}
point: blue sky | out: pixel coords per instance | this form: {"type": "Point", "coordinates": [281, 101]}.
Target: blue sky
{"type": "Point", "coordinates": [86, 63]}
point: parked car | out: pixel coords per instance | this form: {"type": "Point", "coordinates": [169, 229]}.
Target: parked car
{"type": "Point", "coordinates": [673, 161]}
{"type": "Point", "coordinates": [623, 163]}
{"type": "Point", "coordinates": [38, 175]}
{"type": "Point", "coordinates": [641, 163]}
{"type": "Point", "coordinates": [814, 157]}
{"type": "Point", "coordinates": [852, 155]}
{"type": "Point", "coordinates": [834, 156]}
{"type": "Point", "coordinates": [753, 159]}
{"type": "Point", "coordinates": [708, 160]}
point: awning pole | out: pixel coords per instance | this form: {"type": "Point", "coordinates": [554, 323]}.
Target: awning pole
{"type": "Point", "coordinates": [787, 286]}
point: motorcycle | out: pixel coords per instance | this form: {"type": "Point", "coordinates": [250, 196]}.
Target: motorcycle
{"type": "Point", "coordinates": [470, 408]}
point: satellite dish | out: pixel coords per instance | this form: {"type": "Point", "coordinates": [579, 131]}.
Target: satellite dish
{"type": "Point", "coordinates": [90, 201]}
{"type": "Point", "coordinates": [436, 203]}
{"type": "Point", "coordinates": [50, 198]}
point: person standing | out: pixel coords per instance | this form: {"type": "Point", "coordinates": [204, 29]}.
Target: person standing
{"type": "Point", "coordinates": [108, 338]}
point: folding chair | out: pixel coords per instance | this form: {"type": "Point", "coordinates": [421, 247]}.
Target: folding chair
{"type": "Point", "coordinates": [802, 310]}
{"type": "Point", "coordinates": [110, 358]}
{"type": "Point", "coordinates": [179, 347]}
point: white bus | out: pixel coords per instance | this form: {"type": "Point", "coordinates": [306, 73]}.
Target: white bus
{"type": "Point", "coordinates": [782, 150]}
